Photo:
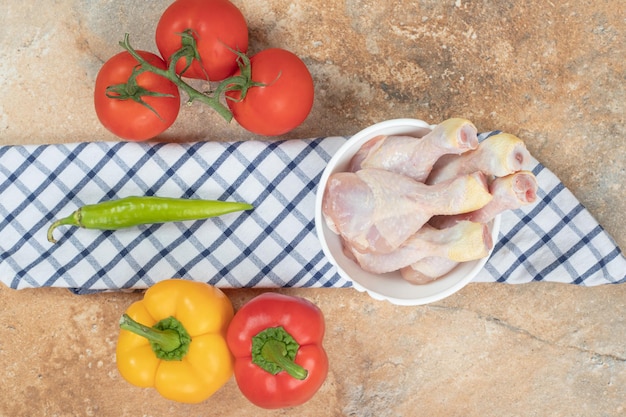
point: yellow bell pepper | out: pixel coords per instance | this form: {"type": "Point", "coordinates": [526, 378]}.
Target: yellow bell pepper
{"type": "Point", "coordinates": [175, 340]}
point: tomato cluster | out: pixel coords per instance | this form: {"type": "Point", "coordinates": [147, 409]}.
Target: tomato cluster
{"type": "Point", "coordinates": [137, 93]}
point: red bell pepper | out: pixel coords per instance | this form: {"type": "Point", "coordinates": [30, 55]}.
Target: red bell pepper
{"type": "Point", "coordinates": [276, 340]}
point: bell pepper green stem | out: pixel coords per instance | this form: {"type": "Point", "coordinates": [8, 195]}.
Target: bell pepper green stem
{"type": "Point", "coordinates": [168, 338]}
{"type": "Point", "coordinates": [274, 350]}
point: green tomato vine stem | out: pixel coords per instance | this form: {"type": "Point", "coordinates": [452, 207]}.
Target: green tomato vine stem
{"type": "Point", "coordinates": [239, 82]}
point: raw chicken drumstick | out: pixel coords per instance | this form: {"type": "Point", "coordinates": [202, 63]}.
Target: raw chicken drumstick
{"type": "Point", "coordinates": [415, 157]}
{"type": "Point", "coordinates": [498, 155]}
{"type": "Point", "coordinates": [427, 269]}
{"type": "Point", "coordinates": [509, 193]}
{"type": "Point", "coordinates": [465, 241]}
{"type": "Point", "coordinates": [376, 210]}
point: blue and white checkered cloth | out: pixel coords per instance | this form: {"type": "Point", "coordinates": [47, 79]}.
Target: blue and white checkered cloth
{"type": "Point", "coordinates": [274, 245]}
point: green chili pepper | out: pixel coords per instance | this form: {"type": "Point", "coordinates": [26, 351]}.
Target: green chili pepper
{"type": "Point", "coordinates": [133, 211]}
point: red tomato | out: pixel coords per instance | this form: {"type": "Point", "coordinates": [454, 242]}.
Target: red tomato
{"type": "Point", "coordinates": [217, 25]}
{"type": "Point", "coordinates": [129, 119]}
{"type": "Point", "coordinates": [285, 100]}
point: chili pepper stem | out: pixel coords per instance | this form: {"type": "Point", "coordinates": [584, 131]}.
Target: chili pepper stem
{"type": "Point", "coordinates": [73, 219]}
{"type": "Point", "coordinates": [169, 343]}
{"type": "Point", "coordinates": [274, 350]}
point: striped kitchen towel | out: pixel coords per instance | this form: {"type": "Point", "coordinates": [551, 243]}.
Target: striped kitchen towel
{"type": "Point", "coordinates": [274, 245]}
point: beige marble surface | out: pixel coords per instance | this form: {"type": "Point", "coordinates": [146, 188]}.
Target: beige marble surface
{"type": "Point", "coordinates": [551, 72]}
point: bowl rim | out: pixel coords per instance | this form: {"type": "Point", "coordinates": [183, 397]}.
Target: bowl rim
{"type": "Point", "coordinates": [353, 143]}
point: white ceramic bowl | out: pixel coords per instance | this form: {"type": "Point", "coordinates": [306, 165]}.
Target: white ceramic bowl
{"type": "Point", "coordinates": [391, 286]}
